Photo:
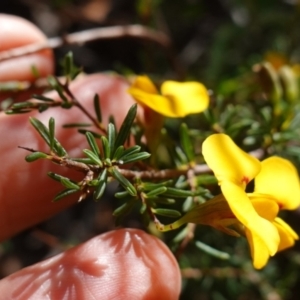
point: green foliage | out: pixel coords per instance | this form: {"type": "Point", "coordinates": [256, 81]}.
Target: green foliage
{"type": "Point", "coordinates": [252, 101]}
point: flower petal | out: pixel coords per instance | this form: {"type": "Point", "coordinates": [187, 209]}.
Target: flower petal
{"type": "Point", "coordinates": [185, 98]}
{"type": "Point", "coordinates": [279, 178]}
{"type": "Point", "coordinates": [144, 84]}
{"type": "Point", "coordinates": [156, 102]}
{"type": "Point", "coordinates": [265, 205]}
{"type": "Point", "coordinates": [178, 99]}
{"type": "Point", "coordinates": [286, 233]}
{"type": "Point", "coordinates": [228, 161]}
{"type": "Point", "coordinates": [259, 252]}
{"type": "Point", "coordinates": [244, 211]}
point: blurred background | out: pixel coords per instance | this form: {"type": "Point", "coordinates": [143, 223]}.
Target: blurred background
{"type": "Point", "coordinates": [217, 42]}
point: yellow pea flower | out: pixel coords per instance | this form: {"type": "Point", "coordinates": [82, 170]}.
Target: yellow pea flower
{"type": "Point", "coordinates": [177, 99]}
{"type": "Point", "coordinates": [218, 214]}
{"type": "Point", "coordinates": [276, 180]}
{"type": "Point", "coordinates": [254, 214]}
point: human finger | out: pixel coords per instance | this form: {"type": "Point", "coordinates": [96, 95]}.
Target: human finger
{"type": "Point", "coordinates": [121, 264]}
{"type": "Point", "coordinates": [25, 189]}
{"type": "Point", "coordinates": [16, 32]}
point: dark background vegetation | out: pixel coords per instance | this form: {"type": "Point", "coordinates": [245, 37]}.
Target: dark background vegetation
{"type": "Point", "coordinates": [216, 42]}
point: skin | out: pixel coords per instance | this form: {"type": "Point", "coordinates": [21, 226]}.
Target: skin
{"type": "Point", "coordinates": [16, 32]}
{"type": "Point", "coordinates": [126, 262]}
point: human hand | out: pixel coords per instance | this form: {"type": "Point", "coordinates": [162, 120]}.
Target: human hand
{"type": "Point", "coordinates": [121, 264]}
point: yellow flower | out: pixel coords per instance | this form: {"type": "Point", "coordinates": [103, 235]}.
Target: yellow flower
{"type": "Point", "coordinates": [177, 99]}
{"type": "Point", "coordinates": [276, 181]}
{"type": "Point", "coordinates": [254, 214]}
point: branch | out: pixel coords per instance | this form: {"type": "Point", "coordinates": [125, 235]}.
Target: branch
{"type": "Point", "coordinates": [114, 32]}
{"type": "Point", "coordinates": [79, 38]}
{"type": "Point", "coordinates": [130, 174]}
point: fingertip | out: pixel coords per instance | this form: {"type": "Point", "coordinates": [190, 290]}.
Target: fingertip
{"type": "Point", "coordinates": [144, 266]}
{"type": "Point", "coordinates": [121, 264]}
{"type": "Point", "coordinates": [16, 32]}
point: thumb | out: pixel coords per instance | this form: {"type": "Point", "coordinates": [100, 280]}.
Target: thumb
{"type": "Point", "coordinates": [121, 264]}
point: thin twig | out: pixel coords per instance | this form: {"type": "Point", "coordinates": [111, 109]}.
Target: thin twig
{"type": "Point", "coordinates": [191, 227]}
{"type": "Point", "coordinates": [82, 37]}
{"type": "Point", "coordinates": [130, 174]}
{"type": "Point", "coordinates": [114, 32]}
{"type": "Point", "coordinates": [163, 174]}
{"type": "Point", "coordinates": [81, 107]}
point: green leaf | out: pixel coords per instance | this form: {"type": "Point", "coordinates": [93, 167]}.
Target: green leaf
{"type": "Point", "coordinates": [101, 186]}
{"type": "Point", "coordinates": [35, 156]}
{"type": "Point", "coordinates": [111, 119]}
{"type": "Point", "coordinates": [84, 131]}
{"type": "Point", "coordinates": [66, 105]}
{"type": "Point", "coordinates": [206, 179]}
{"type": "Point", "coordinates": [56, 177]}
{"type": "Point", "coordinates": [118, 153]}
{"type": "Point", "coordinates": [173, 192]}
{"type": "Point", "coordinates": [167, 212]}
{"type": "Point", "coordinates": [93, 182]}
{"type": "Point", "coordinates": [181, 235]}
{"type": "Point", "coordinates": [92, 143]}
{"type": "Point", "coordinates": [42, 98]}
{"type": "Point", "coordinates": [64, 193]}
{"type": "Point", "coordinates": [99, 190]}
{"type": "Point", "coordinates": [156, 192]}
{"type": "Point", "coordinates": [55, 84]}
{"type": "Point", "coordinates": [43, 107]}
{"type": "Point", "coordinates": [94, 157]}
{"type": "Point", "coordinates": [148, 186]}
{"type": "Point", "coordinates": [41, 128]}
{"type": "Point", "coordinates": [72, 125]}
{"type": "Point", "coordinates": [84, 160]}
{"type": "Point", "coordinates": [111, 136]}
{"type": "Point", "coordinates": [181, 155]}
{"type": "Point", "coordinates": [68, 63]}
{"type": "Point", "coordinates": [16, 112]}
{"type": "Point", "coordinates": [124, 182]}
{"type": "Point", "coordinates": [125, 208]}
{"type": "Point", "coordinates": [186, 142]}
{"type": "Point", "coordinates": [130, 151]}
{"type": "Point", "coordinates": [122, 194]}
{"type": "Point", "coordinates": [126, 126]}
{"type": "Point", "coordinates": [187, 204]}
{"type": "Point", "coordinates": [106, 147]}
{"type": "Point", "coordinates": [69, 68]}
{"type": "Point", "coordinates": [20, 105]}
{"type": "Point", "coordinates": [166, 201]}
{"type": "Point", "coordinates": [51, 132]}
{"type": "Point", "coordinates": [212, 251]}
{"type": "Point", "coordinates": [66, 182]}
{"type": "Point", "coordinates": [44, 133]}
{"type": "Point", "coordinates": [35, 72]}
{"type": "Point", "coordinates": [143, 208]}
{"type": "Point", "coordinates": [135, 157]}
{"type": "Point", "coordinates": [97, 108]}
